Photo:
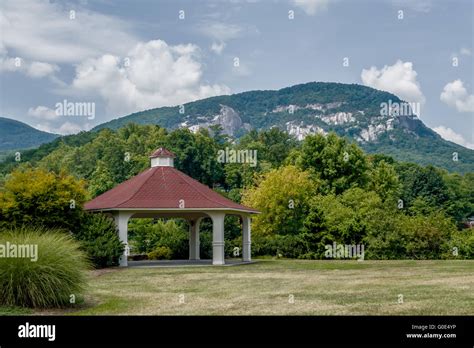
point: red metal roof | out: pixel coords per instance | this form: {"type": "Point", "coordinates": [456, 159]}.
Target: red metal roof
{"type": "Point", "coordinates": [162, 152]}
{"type": "Point", "coordinates": [162, 187]}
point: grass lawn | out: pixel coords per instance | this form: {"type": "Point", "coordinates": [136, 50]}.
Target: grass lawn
{"type": "Point", "coordinates": [269, 286]}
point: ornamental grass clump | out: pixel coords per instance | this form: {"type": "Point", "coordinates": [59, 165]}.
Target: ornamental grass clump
{"type": "Point", "coordinates": [40, 268]}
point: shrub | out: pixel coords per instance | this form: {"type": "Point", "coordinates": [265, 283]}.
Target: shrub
{"type": "Point", "coordinates": [461, 245]}
{"type": "Point", "coordinates": [99, 238]}
{"type": "Point", "coordinates": [147, 234]}
{"type": "Point", "coordinates": [411, 237]}
{"type": "Point", "coordinates": [160, 253]}
{"type": "Point", "coordinates": [282, 246]}
{"type": "Point", "coordinates": [35, 196]}
{"type": "Point", "coordinates": [57, 273]}
{"type": "Point", "coordinates": [205, 243]}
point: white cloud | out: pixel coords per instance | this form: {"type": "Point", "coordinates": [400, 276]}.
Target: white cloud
{"type": "Point", "coordinates": [72, 128]}
{"type": "Point", "coordinates": [9, 64]}
{"type": "Point", "coordinates": [217, 47]}
{"type": "Point", "coordinates": [449, 134]}
{"type": "Point", "coordinates": [399, 79]}
{"type": "Point", "coordinates": [40, 69]}
{"type": "Point", "coordinates": [311, 7]}
{"type": "Point", "coordinates": [50, 122]}
{"type": "Point", "coordinates": [465, 51]}
{"type": "Point", "coordinates": [158, 75]}
{"type": "Point", "coordinates": [31, 69]}
{"type": "Point", "coordinates": [455, 94]}
{"type": "Point", "coordinates": [221, 33]}
{"type": "Point", "coordinates": [414, 5]}
{"type": "Point", "coordinates": [64, 129]}
{"type": "Point", "coordinates": [43, 31]}
{"type": "Point", "coordinates": [43, 112]}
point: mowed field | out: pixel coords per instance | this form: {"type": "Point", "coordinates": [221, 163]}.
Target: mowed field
{"type": "Point", "coordinates": [284, 287]}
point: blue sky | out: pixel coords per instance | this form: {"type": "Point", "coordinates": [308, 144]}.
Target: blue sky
{"type": "Point", "coordinates": [127, 56]}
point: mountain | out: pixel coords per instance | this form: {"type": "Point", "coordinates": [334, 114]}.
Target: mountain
{"type": "Point", "coordinates": [378, 121]}
{"type": "Point", "coordinates": [15, 135]}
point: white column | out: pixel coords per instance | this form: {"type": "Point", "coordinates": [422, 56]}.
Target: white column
{"type": "Point", "coordinates": [217, 238]}
{"type": "Point", "coordinates": [194, 239]}
{"type": "Point", "coordinates": [246, 239]}
{"type": "Point", "coordinates": [121, 220]}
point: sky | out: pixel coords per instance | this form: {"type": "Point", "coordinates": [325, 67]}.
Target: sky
{"type": "Point", "coordinates": [121, 56]}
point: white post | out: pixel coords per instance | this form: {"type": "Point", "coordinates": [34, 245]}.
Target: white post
{"type": "Point", "coordinates": [194, 239]}
{"type": "Point", "coordinates": [217, 238]}
{"type": "Point", "coordinates": [121, 220]}
{"type": "Point", "coordinates": [246, 239]}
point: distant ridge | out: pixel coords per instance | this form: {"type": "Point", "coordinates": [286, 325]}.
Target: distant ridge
{"type": "Point", "coordinates": [16, 135]}
{"type": "Point", "coordinates": [350, 110]}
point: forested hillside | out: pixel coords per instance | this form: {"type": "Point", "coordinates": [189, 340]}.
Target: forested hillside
{"type": "Point", "coordinates": [349, 110]}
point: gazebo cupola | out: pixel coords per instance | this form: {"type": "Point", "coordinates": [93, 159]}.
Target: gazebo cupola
{"type": "Point", "coordinates": [162, 158]}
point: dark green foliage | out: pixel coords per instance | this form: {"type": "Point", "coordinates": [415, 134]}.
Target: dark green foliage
{"type": "Point", "coordinates": [428, 150]}
{"type": "Point", "coordinates": [460, 204]}
{"type": "Point", "coordinates": [196, 155]}
{"type": "Point", "coordinates": [273, 145]}
{"type": "Point", "coordinates": [337, 163]}
{"type": "Point", "coordinates": [145, 235]}
{"type": "Point", "coordinates": [34, 155]}
{"type": "Point", "coordinates": [99, 239]}
{"type": "Point", "coordinates": [411, 237]}
{"type": "Point", "coordinates": [422, 182]}
{"type": "Point", "coordinates": [289, 246]}
{"type": "Point", "coordinates": [384, 180]}
{"type": "Point", "coordinates": [205, 239]}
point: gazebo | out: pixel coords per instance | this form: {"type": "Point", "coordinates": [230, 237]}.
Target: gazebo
{"type": "Point", "coordinates": [162, 191]}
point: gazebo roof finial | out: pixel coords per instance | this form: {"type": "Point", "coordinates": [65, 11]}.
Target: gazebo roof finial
{"type": "Point", "coordinates": [162, 152]}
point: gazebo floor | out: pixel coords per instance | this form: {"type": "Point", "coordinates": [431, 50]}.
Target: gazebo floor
{"type": "Point", "coordinates": [184, 263]}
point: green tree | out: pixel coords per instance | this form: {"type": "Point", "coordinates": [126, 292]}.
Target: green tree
{"type": "Point", "coordinates": [282, 196]}
{"type": "Point", "coordinates": [384, 180]}
{"type": "Point", "coordinates": [196, 155]}
{"type": "Point", "coordinates": [337, 163]}
{"type": "Point", "coordinates": [99, 238]}
{"type": "Point", "coordinates": [273, 145]}
{"type": "Point", "coordinates": [460, 204]}
{"type": "Point", "coordinates": [343, 219]}
{"type": "Point", "coordinates": [422, 182]}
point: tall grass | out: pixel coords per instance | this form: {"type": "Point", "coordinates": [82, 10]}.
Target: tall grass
{"type": "Point", "coordinates": [54, 280]}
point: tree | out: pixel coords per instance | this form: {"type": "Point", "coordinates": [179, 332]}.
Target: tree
{"type": "Point", "coordinates": [99, 238]}
{"type": "Point", "coordinates": [196, 155]}
{"type": "Point", "coordinates": [384, 180]}
{"type": "Point", "coordinates": [282, 196]}
{"type": "Point", "coordinates": [273, 145]}
{"type": "Point", "coordinates": [100, 180]}
{"type": "Point", "coordinates": [343, 219]}
{"type": "Point", "coordinates": [422, 182]}
{"type": "Point", "coordinates": [460, 204]}
{"type": "Point", "coordinates": [337, 163]}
